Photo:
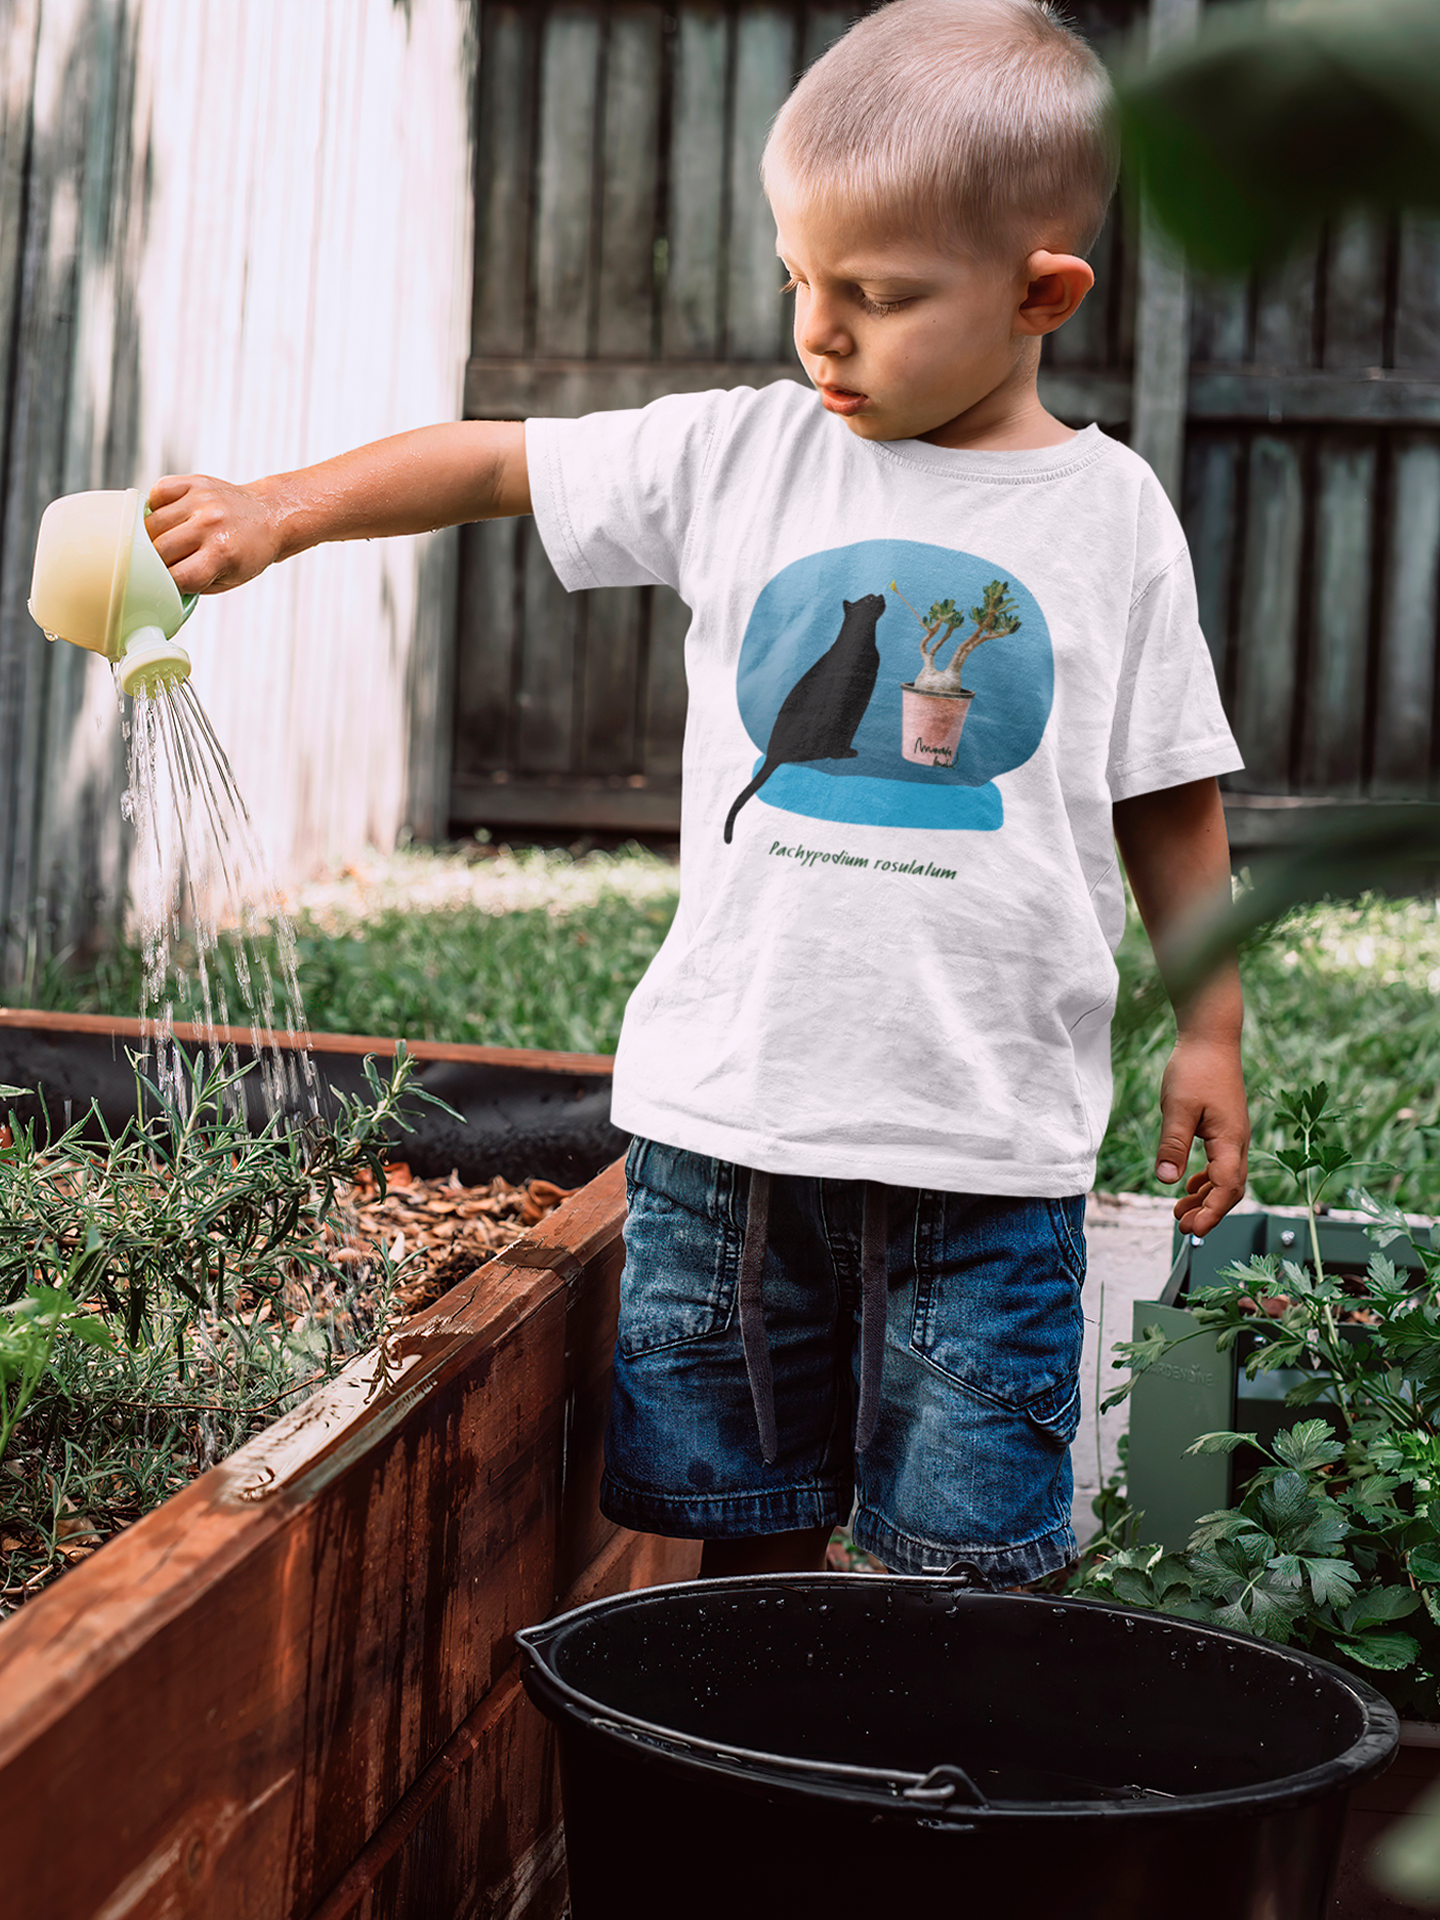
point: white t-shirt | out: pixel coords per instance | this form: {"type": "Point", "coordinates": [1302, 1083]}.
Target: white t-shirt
{"type": "Point", "coordinates": [899, 968]}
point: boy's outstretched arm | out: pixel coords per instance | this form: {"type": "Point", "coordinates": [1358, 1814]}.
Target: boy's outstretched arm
{"type": "Point", "coordinates": [213, 534]}
{"type": "Point", "coordinates": [1177, 857]}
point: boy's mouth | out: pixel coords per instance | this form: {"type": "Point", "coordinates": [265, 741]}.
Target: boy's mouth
{"type": "Point", "coordinates": [843, 400]}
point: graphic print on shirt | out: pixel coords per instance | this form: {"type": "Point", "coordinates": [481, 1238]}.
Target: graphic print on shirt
{"type": "Point", "coordinates": [896, 747]}
{"type": "Point", "coordinates": [819, 715]}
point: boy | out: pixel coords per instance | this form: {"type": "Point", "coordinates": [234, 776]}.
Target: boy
{"type": "Point", "coordinates": [869, 1069]}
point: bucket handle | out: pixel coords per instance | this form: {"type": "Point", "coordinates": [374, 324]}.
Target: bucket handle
{"type": "Point", "coordinates": [941, 1785]}
{"type": "Point", "coordinates": [936, 1788]}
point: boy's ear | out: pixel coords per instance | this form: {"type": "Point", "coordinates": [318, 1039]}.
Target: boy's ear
{"type": "Point", "coordinates": [1056, 283]}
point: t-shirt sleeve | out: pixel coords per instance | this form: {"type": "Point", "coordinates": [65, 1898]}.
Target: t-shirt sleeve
{"type": "Point", "coordinates": [1169, 725]}
{"type": "Point", "coordinates": [615, 494]}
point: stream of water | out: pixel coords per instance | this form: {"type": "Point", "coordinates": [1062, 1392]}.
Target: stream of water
{"type": "Point", "coordinates": [210, 917]}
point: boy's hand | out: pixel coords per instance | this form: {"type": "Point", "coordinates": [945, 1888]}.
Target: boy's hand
{"type": "Point", "coordinates": [210, 533]}
{"type": "Point", "coordinates": [1176, 855]}
{"type": "Point", "coordinates": [1202, 1097]}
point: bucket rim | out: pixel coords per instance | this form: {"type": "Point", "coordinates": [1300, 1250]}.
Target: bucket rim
{"type": "Point", "coordinates": [1372, 1749]}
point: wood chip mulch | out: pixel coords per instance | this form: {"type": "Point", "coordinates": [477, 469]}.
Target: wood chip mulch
{"type": "Point", "coordinates": [441, 1229]}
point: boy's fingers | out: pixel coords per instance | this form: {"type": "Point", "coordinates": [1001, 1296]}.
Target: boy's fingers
{"type": "Point", "coordinates": [1211, 1194]}
{"type": "Point", "coordinates": [1176, 1138]}
{"type": "Point", "coordinates": [168, 489]}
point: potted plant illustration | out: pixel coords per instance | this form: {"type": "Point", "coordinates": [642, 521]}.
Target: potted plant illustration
{"type": "Point", "coordinates": [934, 705]}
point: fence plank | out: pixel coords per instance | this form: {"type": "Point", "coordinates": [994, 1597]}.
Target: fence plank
{"type": "Point", "coordinates": [1220, 320]}
{"type": "Point", "coordinates": [17, 84]}
{"type": "Point", "coordinates": [489, 642]}
{"type": "Point", "coordinates": [545, 687]}
{"type": "Point", "coordinates": [630, 157]}
{"type": "Point", "coordinates": [1212, 472]}
{"type": "Point", "coordinates": [1272, 395]}
{"type": "Point", "coordinates": [1268, 625]}
{"type": "Point", "coordinates": [66, 99]}
{"type": "Point", "coordinates": [1404, 751]}
{"type": "Point", "coordinates": [1332, 754]}
{"type": "Point", "coordinates": [1417, 313]}
{"type": "Point", "coordinates": [755, 311]}
{"type": "Point", "coordinates": [1285, 313]}
{"type": "Point", "coordinates": [565, 182]}
{"type": "Point", "coordinates": [504, 131]}
{"type": "Point", "coordinates": [608, 701]}
{"type": "Point", "coordinates": [1356, 264]}
{"type": "Point", "coordinates": [690, 321]}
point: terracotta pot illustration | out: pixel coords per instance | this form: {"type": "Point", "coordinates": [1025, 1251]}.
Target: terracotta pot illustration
{"type": "Point", "coordinates": [931, 725]}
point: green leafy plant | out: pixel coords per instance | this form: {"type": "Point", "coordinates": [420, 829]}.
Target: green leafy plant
{"type": "Point", "coordinates": [1335, 1540]}
{"type": "Point", "coordinates": [29, 1330]}
{"type": "Point", "coordinates": [165, 1290]}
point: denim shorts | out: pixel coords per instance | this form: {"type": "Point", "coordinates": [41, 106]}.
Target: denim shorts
{"type": "Point", "coordinates": [980, 1392]}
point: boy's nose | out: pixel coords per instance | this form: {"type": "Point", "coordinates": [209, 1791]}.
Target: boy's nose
{"type": "Point", "coordinates": [820, 332]}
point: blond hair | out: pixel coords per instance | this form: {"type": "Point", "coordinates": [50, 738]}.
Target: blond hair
{"type": "Point", "coordinates": [987, 123]}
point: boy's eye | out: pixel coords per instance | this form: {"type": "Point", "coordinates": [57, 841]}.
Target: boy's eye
{"type": "Point", "coordinates": [790, 285]}
{"type": "Point", "coordinates": [881, 306]}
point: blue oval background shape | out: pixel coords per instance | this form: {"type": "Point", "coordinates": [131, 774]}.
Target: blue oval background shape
{"type": "Point", "coordinates": [796, 619]}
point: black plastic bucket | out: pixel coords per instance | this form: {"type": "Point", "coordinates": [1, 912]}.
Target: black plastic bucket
{"type": "Point", "coordinates": [779, 1745]}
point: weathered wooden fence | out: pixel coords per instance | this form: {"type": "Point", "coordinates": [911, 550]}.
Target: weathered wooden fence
{"type": "Point", "coordinates": [623, 251]}
{"type": "Point", "coordinates": [239, 238]}
{"type": "Point", "coordinates": [232, 239]}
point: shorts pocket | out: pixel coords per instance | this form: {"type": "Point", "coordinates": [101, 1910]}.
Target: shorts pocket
{"type": "Point", "coordinates": [1057, 1415]}
{"type": "Point", "coordinates": [997, 1302]}
{"type": "Point", "coordinates": [682, 1248]}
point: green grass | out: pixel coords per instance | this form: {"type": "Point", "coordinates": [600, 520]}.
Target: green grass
{"type": "Point", "coordinates": [1349, 994]}
{"type": "Point", "coordinates": [554, 975]}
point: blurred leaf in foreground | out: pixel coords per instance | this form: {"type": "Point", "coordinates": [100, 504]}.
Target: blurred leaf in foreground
{"type": "Point", "coordinates": [1277, 117]}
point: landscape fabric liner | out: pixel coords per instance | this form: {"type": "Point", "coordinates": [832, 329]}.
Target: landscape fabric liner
{"type": "Point", "coordinates": [518, 1121]}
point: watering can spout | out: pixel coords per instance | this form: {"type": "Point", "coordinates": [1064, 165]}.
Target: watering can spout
{"type": "Point", "coordinates": [100, 584]}
{"type": "Point", "coordinates": [152, 660]}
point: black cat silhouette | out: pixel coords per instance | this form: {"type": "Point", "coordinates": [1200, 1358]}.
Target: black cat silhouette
{"type": "Point", "coordinates": [819, 715]}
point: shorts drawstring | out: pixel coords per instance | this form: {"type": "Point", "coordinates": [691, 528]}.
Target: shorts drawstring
{"type": "Point", "coordinates": [752, 1314]}
{"type": "Point", "coordinates": [873, 1266]}
{"type": "Point", "coordinates": [873, 1291]}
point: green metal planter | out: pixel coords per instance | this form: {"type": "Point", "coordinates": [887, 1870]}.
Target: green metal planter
{"type": "Point", "coordinates": [1197, 1389]}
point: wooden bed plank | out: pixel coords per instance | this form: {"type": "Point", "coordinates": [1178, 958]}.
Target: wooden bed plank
{"type": "Point", "coordinates": [131, 1032]}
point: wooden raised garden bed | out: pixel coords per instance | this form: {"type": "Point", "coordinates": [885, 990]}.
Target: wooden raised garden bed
{"type": "Point", "coordinates": [292, 1691]}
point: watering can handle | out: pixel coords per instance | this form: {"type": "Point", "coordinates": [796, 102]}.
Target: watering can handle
{"type": "Point", "coordinates": [188, 601]}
